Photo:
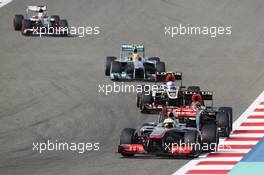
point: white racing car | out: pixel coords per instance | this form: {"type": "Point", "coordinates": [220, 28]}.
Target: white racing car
{"type": "Point", "coordinates": [36, 22]}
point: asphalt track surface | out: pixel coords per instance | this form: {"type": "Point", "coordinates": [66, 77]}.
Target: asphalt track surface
{"type": "Point", "coordinates": [49, 86]}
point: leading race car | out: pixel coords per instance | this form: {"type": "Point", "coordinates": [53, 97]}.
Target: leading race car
{"type": "Point", "coordinates": [133, 65]}
{"type": "Point", "coordinates": [194, 112]}
{"type": "Point", "coordinates": [168, 139]}
{"type": "Point", "coordinates": [36, 22]}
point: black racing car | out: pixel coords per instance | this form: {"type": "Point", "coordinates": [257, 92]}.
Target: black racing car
{"type": "Point", "coordinates": [186, 113]}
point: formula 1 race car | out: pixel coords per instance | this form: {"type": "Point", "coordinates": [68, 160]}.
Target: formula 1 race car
{"type": "Point", "coordinates": [36, 22]}
{"type": "Point", "coordinates": [194, 112]}
{"type": "Point", "coordinates": [161, 140]}
{"type": "Point", "coordinates": [166, 93]}
{"type": "Point", "coordinates": [133, 65]}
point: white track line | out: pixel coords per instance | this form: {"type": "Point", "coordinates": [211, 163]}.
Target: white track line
{"type": "Point", "coordinates": [247, 135]}
{"type": "Point", "coordinates": [4, 2]}
{"type": "Point", "coordinates": [258, 112]}
{"type": "Point", "coordinates": [206, 167]}
{"type": "Point", "coordinates": [219, 159]}
{"type": "Point", "coordinates": [192, 165]}
{"type": "Point", "coordinates": [233, 150]}
{"type": "Point", "coordinates": [254, 120]}
{"type": "Point", "coordinates": [241, 142]}
{"type": "Point", "coordinates": [251, 128]}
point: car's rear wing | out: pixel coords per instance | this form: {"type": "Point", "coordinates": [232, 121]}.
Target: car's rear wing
{"type": "Point", "coordinates": [131, 47]}
{"type": "Point", "coordinates": [206, 95]}
{"type": "Point", "coordinates": [36, 8]}
{"type": "Point", "coordinates": [161, 76]}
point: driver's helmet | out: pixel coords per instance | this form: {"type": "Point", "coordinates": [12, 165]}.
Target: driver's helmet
{"type": "Point", "coordinates": [135, 56]}
{"type": "Point", "coordinates": [169, 123]}
{"type": "Point", "coordinates": [170, 77]}
{"type": "Point", "coordinates": [196, 100]}
{"type": "Point", "coordinates": [171, 115]}
{"type": "Point", "coordinates": [170, 85]}
{"type": "Point", "coordinates": [41, 14]}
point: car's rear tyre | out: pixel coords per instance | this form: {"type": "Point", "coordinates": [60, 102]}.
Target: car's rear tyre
{"type": "Point", "coordinates": [210, 136]}
{"type": "Point", "coordinates": [17, 22]}
{"type": "Point", "coordinates": [26, 24]}
{"type": "Point", "coordinates": [115, 67]}
{"type": "Point", "coordinates": [157, 59]}
{"type": "Point", "coordinates": [146, 99]}
{"type": "Point", "coordinates": [144, 89]}
{"type": "Point", "coordinates": [109, 60]}
{"type": "Point", "coordinates": [222, 119]}
{"type": "Point", "coordinates": [127, 137]}
{"type": "Point", "coordinates": [229, 110]}
{"type": "Point", "coordinates": [160, 67]}
{"type": "Point", "coordinates": [193, 140]}
{"type": "Point", "coordinates": [64, 27]}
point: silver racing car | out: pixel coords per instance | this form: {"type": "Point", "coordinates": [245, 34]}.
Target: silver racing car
{"type": "Point", "coordinates": [133, 65]}
{"type": "Point", "coordinates": [37, 22]}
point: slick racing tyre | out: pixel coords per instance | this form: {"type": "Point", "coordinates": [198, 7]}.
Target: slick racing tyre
{"type": "Point", "coordinates": [193, 139]}
{"type": "Point", "coordinates": [229, 110]}
{"type": "Point", "coordinates": [63, 24]}
{"type": "Point", "coordinates": [146, 99]}
{"type": "Point", "coordinates": [144, 89]}
{"type": "Point", "coordinates": [210, 136]}
{"type": "Point", "coordinates": [26, 24]}
{"type": "Point", "coordinates": [109, 60]}
{"type": "Point", "coordinates": [17, 22]}
{"type": "Point", "coordinates": [115, 67]}
{"type": "Point", "coordinates": [160, 67]}
{"type": "Point", "coordinates": [222, 119]}
{"type": "Point", "coordinates": [127, 137]}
